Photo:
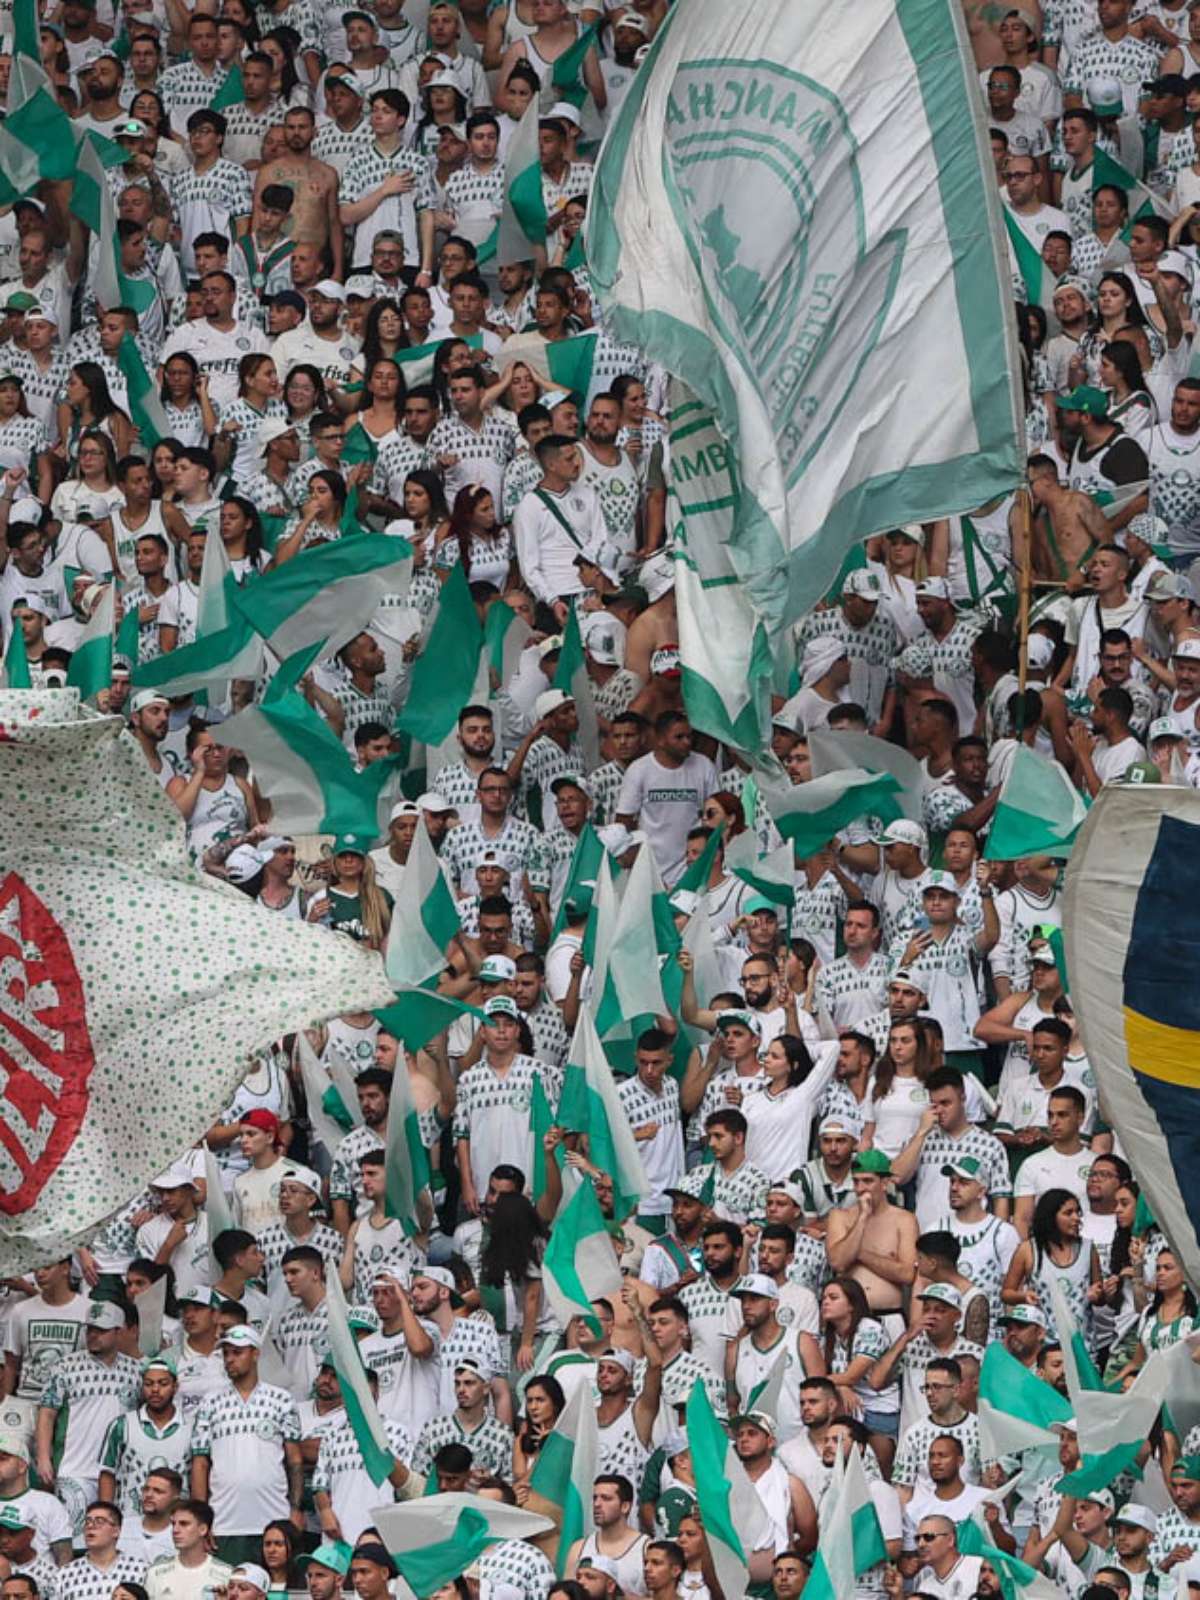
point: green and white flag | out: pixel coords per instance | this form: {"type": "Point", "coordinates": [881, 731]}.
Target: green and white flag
{"type": "Point", "coordinates": [843, 751]}
{"type": "Point", "coordinates": [773, 875]}
{"type": "Point", "coordinates": [361, 1410]}
{"type": "Point", "coordinates": [224, 648]}
{"type": "Point", "coordinates": [417, 363]}
{"type": "Point", "coordinates": [566, 363]}
{"type": "Point", "coordinates": [734, 1518]}
{"type": "Point", "coordinates": [302, 764]}
{"type": "Point", "coordinates": [92, 203]}
{"type": "Point", "coordinates": [1141, 200]}
{"type": "Point", "coordinates": [110, 1095]}
{"type": "Point", "coordinates": [580, 1264]}
{"type": "Point", "coordinates": [1017, 1410]}
{"type": "Point", "coordinates": [437, 1538]}
{"type": "Point", "coordinates": [327, 594]}
{"type": "Point", "coordinates": [1039, 811]}
{"type": "Point", "coordinates": [443, 675]}
{"type": "Point", "coordinates": [521, 231]}
{"type": "Point", "coordinates": [829, 282]}
{"type": "Point", "coordinates": [424, 919]}
{"type": "Point", "coordinates": [633, 970]}
{"type": "Point", "coordinates": [145, 404]}
{"type": "Point", "coordinates": [406, 1160]}
{"type": "Point", "coordinates": [327, 1111]}
{"type": "Point", "coordinates": [1039, 281]}
{"type": "Point", "coordinates": [567, 72]}
{"type": "Point", "coordinates": [90, 667]}
{"type": "Point", "coordinates": [217, 1210]}
{"type": "Point", "coordinates": [809, 814]}
{"type": "Point", "coordinates": [566, 1467]}
{"type": "Point", "coordinates": [589, 1104]}
{"type": "Point", "coordinates": [1112, 1426]}
{"type": "Point", "coordinates": [851, 1539]}
{"type": "Point", "coordinates": [1018, 1580]}
{"type": "Point", "coordinates": [16, 674]}
{"type": "Point", "coordinates": [571, 676]}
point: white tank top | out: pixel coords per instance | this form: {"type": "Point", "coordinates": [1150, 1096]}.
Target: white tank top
{"type": "Point", "coordinates": [125, 537]}
{"type": "Point", "coordinates": [631, 1577]}
{"type": "Point", "coordinates": [774, 1492]}
{"type": "Point", "coordinates": [514, 27]}
{"type": "Point", "coordinates": [1073, 1280]}
{"type": "Point", "coordinates": [217, 811]}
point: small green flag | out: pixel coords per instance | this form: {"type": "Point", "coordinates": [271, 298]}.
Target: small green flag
{"type": "Point", "coordinates": [567, 73]}
{"type": "Point", "coordinates": [695, 878]}
{"type": "Point", "coordinates": [145, 403]}
{"type": "Point", "coordinates": [434, 1565]}
{"type": "Point", "coordinates": [443, 675]}
{"type": "Point", "coordinates": [1039, 811]}
{"type": "Point", "coordinates": [406, 1160]}
{"type": "Point", "coordinates": [16, 660]}
{"type": "Point", "coordinates": [90, 668]}
{"type": "Point", "coordinates": [231, 92]}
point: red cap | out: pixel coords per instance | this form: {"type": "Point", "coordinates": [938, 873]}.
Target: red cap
{"type": "Point", "coordinates": [266, 1120]}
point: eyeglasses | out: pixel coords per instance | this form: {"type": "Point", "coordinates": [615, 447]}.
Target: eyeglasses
{"type": "Point", "coordinates": [99, 1522]}
{"type": "Point", "coordinates": [928, 1538]}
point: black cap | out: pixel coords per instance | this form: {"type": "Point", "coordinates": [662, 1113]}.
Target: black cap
{"type": "Point", "coordinates": [290, 297]}
{"type": "Point", "coordinates": [1171, 83]}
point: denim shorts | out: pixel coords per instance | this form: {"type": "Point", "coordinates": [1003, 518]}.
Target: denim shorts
{"type": "Point", "coordinates": [885, 1422]}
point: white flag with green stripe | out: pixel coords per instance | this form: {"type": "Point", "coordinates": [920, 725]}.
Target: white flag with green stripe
{"type": "Point", "coordinates": [771, 873]}
{"type": "Point", "coordinates": [735, 1519]}
{"type": "Point", "coordinates": [521, 230]}
{"type": "Point", "coordinates": [633, 953]}
{"type": "Point", "coordinates": [823, 267]}
{"type": "Point", "coordinates": [90, 667]}
{"type": "Point", "coordinates": [425, 918]}
{"type": "Point", "coordinates": [361, 1410]}
{"type": "Point", "coordinates": [565, 1471]}
{"type": "Point", "coordinates": [851, 1540]}
{"type": "Point", "coordinates": [331, 1120]}
{"type": "Point", "coordinates": [145, 403]}
{"type": "Point", "coordinates": [406, 1160]}
{"type": "Point", "coordinates": [1039, 811]}
{"type": "Point", "coordinates": [224, 647]}
{"type": "Point", "coordinates": [580, 1264]}
{"type": "Point", "coordinates": [589, 1104]}
{"type": "Point", "coordinates": [217, 1211]}
{"type": "Point", "coordinates": [329, 593]}
{"type": "Point", "coordinates": [1033, 272]}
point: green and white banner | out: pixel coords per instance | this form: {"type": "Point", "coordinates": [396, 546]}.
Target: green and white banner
{"type": "Point", "coordinates": [822, 262]}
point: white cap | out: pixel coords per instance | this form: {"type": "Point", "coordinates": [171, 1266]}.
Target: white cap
{"type": "Point", "coordinates": [548, 645]}
{"type": "Point", "coordinates": [432, 801]}
{"type": "Point", "coordinates": [1138, 1516]}
{"type": "Point", "coordinates": [902, 831]}
{"type": "Point", "coordinates": [148, 697]}
{"type": "Point", "coordinates": [757, 1283]}
{"type": "Point", "coordinates": [616, 838]}
{"type": "Point", "coordinates": [563, 111]}
{"type": "Point", "coordinates": [550, 699]}
{"type": "Point", "coordinates": [604, 638]}
{"type": "Point", "coordinates": [862, 582]}
{"type": "Point", "coordinates": [934, 588]}
{"type": "Point", "coordinates": [177, 1176]}
{"type": "Point", "coordinates": [303, 1176]}
{"type": "Point", "coordinates": [1187, 650]}
{"type": "Point", "coordinates": [1164, 728]}
{"type": "Point", "coordinates": [404, 808]}
{"type": "Point", "coordinates": [1174, 261]}
{"type": "Point", "coordinates": [27, 509]}
{"type": "Point", "coordinates": [360, 284]}
{"type": "Point", "coordinates": [330, 289]}
{"type": "Point", "coordinates": [657, 576]}
{"type": "Point", "coordinates": [249, 1573]}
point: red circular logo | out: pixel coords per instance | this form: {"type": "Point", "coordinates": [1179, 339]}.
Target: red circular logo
{"type": "Point", "coordinates": [45, 1049]}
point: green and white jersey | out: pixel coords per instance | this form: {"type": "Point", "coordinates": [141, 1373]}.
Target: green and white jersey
{"type": "Point", "coordinates": [408, 1385]}
{"type": "Point", "coordinates": [244, 1441]}
{"type": "Point", "coordinates": [708, 1311]}
{"type": "Point", "coordinates": [515, 846]}
{"type": "Point", "coordinates": [398, 457]}
{"type": "Point", "coordinates": [381, 1249]}
{"type": "Point", "coordinates": [1174, 1529]}
{"type": "Point", "coordinates": [523, 473]}
{"type": "Point", "coordinates": [337, 147]}
{"type": "Point", "coordinates": [546, 761]}
{"type": "Point", "coordinates": [933, 1190]}
{"type": "Point", "coordinates": [301, 1337]}
{"type": "Point", "coordinates": [985, 1250]}
{"type": "Point", "coordinates": [169, 1579]}
{"type": "Point", "coordinates": [619, 494]}
{"type": "Point", "coordinates": [910, 1369]}
{"type": "Point", "coordinates": [134, 1446]}
{"type": "Point", "coordinates": [345, 1177]}
{"type": "Point", "coordinates": [341, 1475]}
{"type": "Point", "coordinates": [473, 1338]}
{"type": "Point", "coordinates": [276, 1241]}
{"type": "Point", "coordinates": [490, 1444]}
{"type": "Point", "coordinates": [522, 1565]}
{"type": "Point", "coordinates": [95, 1393]}
{"type": "Point", "coordinates": [662, 1154]}
{"type": "Point", "coordinates": [850, 992]}
{"type": "Point", "coordinates": [742, 1194]}
{"type": "Point", "coordinates": [874, 646]}
{"type": "Point", "coordinates": [820, 911]}
{"type": "Point", "coordinates": [82, 1579]}
{"type": "Point", "coordinates": [911, 1469]}
{"type": "Point", "coordinates": [45, 1514]}
{"type": "Point", "coordinates": [493, 1113]}
{"type": "Point", "coordinates": [605, 784]}
{"type": "Point", "coordinates": [365, 171]}
{"type": "Point", "coordinates": [679, 1378]}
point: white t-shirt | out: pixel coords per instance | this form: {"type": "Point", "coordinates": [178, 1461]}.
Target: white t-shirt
{"type": "Point", "coordinates": [666, 802]}
{"type": "Point", "coordinates": [1046, 1169]}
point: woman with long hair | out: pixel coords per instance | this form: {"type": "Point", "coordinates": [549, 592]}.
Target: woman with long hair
{"type": "Point", "coordinates": [185, 399]}
{"type": "Point", "coordinates": [898, 1100]}
{"type": "Point", "coordinates": [724, 809]}
{"type": "Point", "coordinates": [902, 567]}
{"type": "Point", "coordinates": [162, 468]}
{"type": "Point", "coordinates": [1127, 1264]}
{"type": "Point", "coordinates": [281, 1552]}
{"type": "Point", "coordinates": [1056, 1249]}
{"type": "Point", "coordinates": [236, 443]}
{"type": "Point", "coordinates": [242, 536]}
{"type": "Point", "coordinates": [510, 1275]}
{"type": "Point", "coordinates": [851, 1342]}
{"type": "Point", "coordinates": [425, 507]}
{"type": "Point", "coordinates": [1117, 306]}
{"type": "Point", "coordinates": [443, 104]}
{"type": "Point", "coordinates": [1130, 402]}
{"type": "Point", "coordinates": [95, 478]}
{"type": "Point", "coordinates": [89, 405]}
{"type": "Point", "coordinates": [167, 152]}
{"type": "Point", "coordinates": [304, 397]}
{"type": "Point", "coordinates": [383, 336]}
{"type": "Point", "coordinates": [475, 538]}
{"type": "Point", "coordinates": [319, 520]}
{"type": "Point", "coordinates": [353, 901]}
{"type": "Point", "coordinates": [779, 1111]}
{"type": "Point", "coordinates": [23, 441]}
{"type": "Point", "coordinates": [1170, 1316]}
{"type": "Point", "coordinates": [282, 44]}
{"type": "Point", "coordinates": [452, 356]}
{"type": "Point", "coordinates": [544, 1402]}
{"type": "Point", "coordinates": [380, 406]}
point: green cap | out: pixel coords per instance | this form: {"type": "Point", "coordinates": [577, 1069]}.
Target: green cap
{"type": "Point", "coordinates": [350, 843]}
{"type": "Point", "coordinates": [20, 300]}
{"type": "Point", "coordinates": [334, 1554]}
{"type": "Point", "coordinates": [164, 1362]}
{"type": "Point", "coordinates": [962, 1167]}
{"type": "Point", "coordinates": [872, 1161]}
{"type": "Point", "coordinates": [1093, 402]}
{"type": "Point", "coordinates": [759, 902]}
{"type": "Point", "coordinates": [1187, 1467]}
{"type": "Point", "coordinates": [11, 1520]}
{"type": "Point", "coordinates": [1141, 772]}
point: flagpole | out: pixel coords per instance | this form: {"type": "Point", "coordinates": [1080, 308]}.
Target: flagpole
{"type": "Point", "coordinates": [1024, 593]}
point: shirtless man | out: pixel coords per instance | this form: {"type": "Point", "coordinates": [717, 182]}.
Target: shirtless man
{"type": "Point", "coordinates": [1067, 524]}
{"type": "Point", "coordinates": [658, 624]}
{"type": "Point", "coordinates": [873, 1241]}
{"type": "Point", "coordinates": [315, 217]}
{"type": "Point", "coordinates": [983, 19]}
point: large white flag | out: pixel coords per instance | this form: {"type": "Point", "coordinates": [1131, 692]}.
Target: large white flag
{"type": "Point", "coordinates": [133, 988]}
{"type": "Point", "coordinates": [801, 223]}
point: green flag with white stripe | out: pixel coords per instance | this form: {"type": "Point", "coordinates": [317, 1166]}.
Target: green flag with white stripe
{"type": "Point", "coordinates": [443, 675]}
{"type": "Point", "coordinates": [851, 1540]}
{"type": "Point", "coordinates": [145, 404]}
{"type": "Point", "coordinates": [520, 234]}
{"type": "Point", "coordinates": [1039, 811]}
{"type": "Point", "coordinates": [361, 1410]}
{"type": "Point", "coordinates": [580, 1264]}
{"type": "Point", "coordinates": [16, 661]}
{"type": "Point", "coordinates": [589, 1104]}
{"type": "Point", "coordinates": [734, 1518]}
{"type": "Point", "coordinates": [565, 1471]}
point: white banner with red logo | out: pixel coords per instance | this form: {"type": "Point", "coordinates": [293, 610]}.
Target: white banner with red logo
{"type": "Point", "coordinates": [133, 987]}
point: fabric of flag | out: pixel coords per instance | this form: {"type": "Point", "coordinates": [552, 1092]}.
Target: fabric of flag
{"type": "Point", "coordinates": [541, 1120]}
{"type": "Point", "coordinates": [361, 1410]}
{"type": "Point", "coordinates": [39, 129]}
{"type": "Point", "coordinates": [225, 646]}
{"type": "Point", "coordinates": [843, 750]}
{"type": "Point", "coordinates": [571, 676]}
{"type": "Point", "coordinates": [582, 872]}
{"type": "Point", "coordinates": [1141, 201]}
{"type": "Point", "coordinates": [521, 231]}
{"type": "Point", "coordinates": [851, 1539]}
{"type": "Point", "coordinates": [443, 675]}
{"type": "Point", "coordinates": [809, 814]}
{"type": "Point", "coordinates": [1018, 1580]}
{"type": "Point", "coordinates": [406, 1160]}
{"type": "Point", "coordinates": [145, 404]}
{"type": "Point", "coordinates": [771, 874]}
{"type": "Point", "coordinates": [436, 1538]}
{"type": "Point", "coordinates": [566, 363]}
{"type": "Point", "coordinates": [1017, 1410]}
{"type": "Point", "coordinates": [417, 1015]}
{"type": "Point", "coordinates": [217, 1211]}
{"type": "Point", "coordinates": [424, 919]}
{"type": "Point", "coordinates": [1039, 811]}
{"type": "Point", "coordinates": [327, 594]}
{"type": "Point", "coordinates": [92, 203]}
{"type": "Point", "coordinates": [417, 362]}
{"type": "Point", "coordinates": [1039, 281]}
{"type": "Point", "coordinates": [580, 1265]}
{"type": "Point", "coordinates": [16, 661]}
{"type": "Point", "coordinates": [1132, 918]}
{"type": "Point", "coordinates": [695, 877]}
{"type": "Point", "coordinates": [90, 667]}
{"type": "Point", "coordinates": [735, 1522]}
{"type": "Point", "coordinates": [630, 983]}
{"type": "Point", "coordinates": [125, 646]}
{"type": "Point", "coordinates": [566, 1467]}
{"type": "Point", "coordinates": [589, 1104]}
{"type": "Point", "coordinates": [231, 91]}
{"type": "Point", "coordinates": [329, 1127]}
{"type": "Point", "coordinates": [855, 382]}
{"type": "Point", "coordinates": [101, 1096]}
{"type": "Point", "coordinates": [567, 72]}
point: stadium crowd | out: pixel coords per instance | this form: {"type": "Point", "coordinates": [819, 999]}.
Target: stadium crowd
{"type": "Point", "coordinates": [871, 1139]}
